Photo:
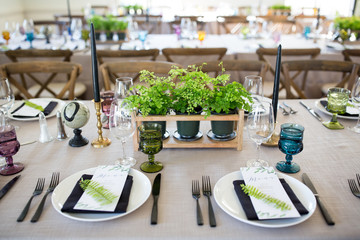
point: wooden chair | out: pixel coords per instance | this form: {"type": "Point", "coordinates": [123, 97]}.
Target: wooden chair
{"type": "Point", "coordinates": [60, 26]}
{"type": "Point", "coordinates": [42, 55]}
{"type": "Point", "coordinates": [150, 23]}
{"type": "Point", "coordinates": [36, 71]}
{"type": "Point", "coordinates": [65, 17]}
{"type": "Point", "coordinates": [169, 53]}
{"type": "Point", "coordinates": [133, 67]}
{"type": "Point", "coordinates": [264, 54]}
{"type": "Point", "coordinates": [352, 69]}
{"type": "Point", "coordinates": [231, 24]}
{"type": "Point", "coordinates": [259, 67]}
{"type": "Point", "coordinates": [280, 23]}
{"type": "Point", "coordinates": [148, 53]}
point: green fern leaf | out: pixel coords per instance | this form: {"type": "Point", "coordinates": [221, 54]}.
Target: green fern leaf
{"type": "Point", "coordinates": [98, 192]}
{"type": "Point", "coordinates": [256, 193]}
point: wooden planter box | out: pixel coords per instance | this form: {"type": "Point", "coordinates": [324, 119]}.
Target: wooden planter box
{"type": "Point", "coordinates": [203, 142]}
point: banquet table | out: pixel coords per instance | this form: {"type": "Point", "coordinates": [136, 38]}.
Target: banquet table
{"type": "Point", "coordinates": [329, 157]}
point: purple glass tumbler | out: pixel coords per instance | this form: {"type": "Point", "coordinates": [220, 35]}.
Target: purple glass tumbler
{"type": "Point", "coordinates": [9, 146]}
{"type": "Point", "coordinates": [107, 98]}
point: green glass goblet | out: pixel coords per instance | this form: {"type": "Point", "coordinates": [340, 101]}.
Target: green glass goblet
{"type": "Point", "coordinates": [337, 101]}
{"type": "Point", "coordinates": [150, 143]}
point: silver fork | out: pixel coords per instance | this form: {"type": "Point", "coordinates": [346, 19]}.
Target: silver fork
{"type": "Point", "coordinates": [206, 187]}
{"type": "Point", "coordinates": [196, 195]}
{"type": "Point", "coordinates": [38, 190]}
{"type": "Point", "coordinates": [284, 112]}
{"type": "Point", "coordinates": [292, 111]}
{"type": "Point", "coordinates": [53, 183]}
{"type": "Point", "coordinates": [354, 189]}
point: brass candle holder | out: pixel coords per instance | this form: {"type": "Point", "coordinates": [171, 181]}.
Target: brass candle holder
{"type": "Point", "coordinates": [273, 140]}
{"type": "Point", "coordinates": [100, 142]}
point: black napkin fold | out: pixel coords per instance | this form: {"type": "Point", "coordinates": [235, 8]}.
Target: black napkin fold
{"type": "Point", "coordinates": [324, 104]}
{"type": "Point", "coordinates": [77, 192]}
{"type": "Point", "coordinates": [47, 110]}
{"type": "Point", "coordinates": [249, 208]}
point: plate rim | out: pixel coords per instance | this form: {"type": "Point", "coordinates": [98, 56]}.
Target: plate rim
{"type": "Point", "coordinates": [322, 109]}
{"type": "Point", "coordinates": [60, 105]}
{"type": "Point", "coordinates": [262, 223]}
{"type": "Point", "coordinates": [111, 216]}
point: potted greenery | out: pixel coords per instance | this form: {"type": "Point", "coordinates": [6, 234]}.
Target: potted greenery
{"type": "Point", "coordinates": [279, 9]}
{"type": "Point", "coordinates": [347, 26]}
{"type": "Point", "coordinates": [226, 98]}
{"type": "Point", "coordinates": [153, 98]}
{"type": "Point", "coordinates": [188, 97]}
{"type": "Point", "coordinates": [99, 26]}
{"type": "Point", "coordinates": [109, 25]}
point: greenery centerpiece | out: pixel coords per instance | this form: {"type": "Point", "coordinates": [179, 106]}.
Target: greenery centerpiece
{"type": "Point", "coordinates": [279, 9]}
{"type": "Point", "coordinates": [346, 27]}
{"type": "Point", "coordinates": [154, 97]}
{"type": "Point", "coordinates": [110, 25]}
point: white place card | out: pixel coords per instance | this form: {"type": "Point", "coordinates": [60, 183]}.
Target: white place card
{"type": "Point", "coordinates": [112, 178]}
{"type": "Point", "coordinates": [28, 111]}
{"type": "Point", "coordinates": [267, 182]}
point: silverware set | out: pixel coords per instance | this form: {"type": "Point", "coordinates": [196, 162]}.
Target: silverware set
{"type": "Point", "coordinates": [37, 191]}
{"type": "Point", "coordinates": [206, 189]}
{"type": "Point", "coordinates": [353, 187]}
{"type": "Point", "coordinates": [286, 112]}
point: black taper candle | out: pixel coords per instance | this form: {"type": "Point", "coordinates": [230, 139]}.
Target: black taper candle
{"type": "Point", "coordinates": [275, 97]}
{"type": "Point", "coordinates": [94, 65]}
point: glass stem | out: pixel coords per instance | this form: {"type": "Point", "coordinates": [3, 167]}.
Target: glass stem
{"type": "Point", "coordinates": [358, 120]}
{"type": "Point", "coordinates": [258, 152]}
{"type": "Point", "coordinates": [289, 158]}
{"type": "Point", "coordinates": [151, 158]}
{"type": "Point", "coordinates": [9, 161]}
{"type": "Point", "coordinates": [334, 118]}
{"type": "Point", "coordinates": [123, 141]}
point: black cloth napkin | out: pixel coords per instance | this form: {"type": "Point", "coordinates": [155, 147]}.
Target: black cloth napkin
{"type": "Point", "coordinates": [324, 103]}
{"type": "Point", "coordinates": [47, 110]}
{"type": "Point", "coordinates": [249, 208]}
{"type": "Point", "coordinates": [77, 192]}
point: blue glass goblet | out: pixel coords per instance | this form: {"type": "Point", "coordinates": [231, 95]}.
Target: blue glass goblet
{"type": "Point", "coordinates": [30, 38]}
{"type": "Point", "coordinates": [290, 143]}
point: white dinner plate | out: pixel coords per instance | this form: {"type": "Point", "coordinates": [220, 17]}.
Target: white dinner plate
{"type": "Point", "coordinates": [17, 104]}
{"type": "Point", "coordinates": [140, 192]}
{"type": "Point", "coordinates": [321, 108]}
{"type": "Point", "coordinates": [225, 196]}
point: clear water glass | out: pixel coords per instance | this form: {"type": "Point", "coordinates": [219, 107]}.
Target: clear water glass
{"type": "Point", "coordinates": [355, 98]}
{"type": "Point", "coordinates": [253, 84]}
{"type": "Point", "coordinates": [122, 126]}
{"type": "Point", "coordinates": [337, 101]}
{"type": "Point", "coordinates": [290, 143]}
{"type": "Point", "coordinates": [7, 98]}
{"type": "Point", "coordinates": [122, 87]}
{"type": "Point", "coordinates": [260, 126]}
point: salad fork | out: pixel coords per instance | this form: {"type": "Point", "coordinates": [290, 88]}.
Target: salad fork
{"type": "Point", "coordinates": [53, 183]}
{"type": "Point", "coordinates": [284, 112]}
{"type": "Point", "coordinates": [196, 195]}
{"type": "Point", "coordinates": [292, 111]}
{"type": "Point", "coordinates": [206, 187]}
{"type": "Point", "coordinates": [353, 187]}
{"type": "Point", "coordinates": [38, 190]}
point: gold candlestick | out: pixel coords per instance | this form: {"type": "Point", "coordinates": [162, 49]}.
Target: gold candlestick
{"type": "Point", "coordinates": [273, 140]}
{"type": "Point", "coordinates": [100, 142]}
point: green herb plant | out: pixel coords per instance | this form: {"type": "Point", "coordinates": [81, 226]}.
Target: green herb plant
{"type": "Point", "coordinates": [98, 192]}
{"type": "Point", "coordinates": [154, 97]}
{"type": "Point", "coordinates": [256, 193]}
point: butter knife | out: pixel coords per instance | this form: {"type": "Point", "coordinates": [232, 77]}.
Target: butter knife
{"type": "Point", "coordinates": [322, 207]}
{"type": "Point", "coordinates": [7, 187]}
{"type": "Point", "coordinates": [155, 193]}
{"type": "Point", "coordinates": [315, 114]}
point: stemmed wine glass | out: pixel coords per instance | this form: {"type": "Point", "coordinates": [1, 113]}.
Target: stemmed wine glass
{"type": "Point", "coordinates": [150, 143]}
{"type": "Point", "coordinates": [355, 98]}
{"type": "Point", "coordinates": [122, 126]}
{"type": "Point", "coordinates": [6, 33]}
{"type": "Point", "coordinates": [253, 84]}
{"type": "Point", "coordinates": [260, 126]}
{"type": "Point", "coordinates": [29, 31]}
{"type": "Point", "coordinates": [142, 37]}
{"type": "Point", "coordinates": [6, 96]}
{"type": "Point", "coordinates": [337, 101]}
{"type": "Point", "coordinates": [9, 146]}
{"type": "Point", "coordinates": [107, 98]}
{"type": "Point", "coordinates": [122, 87]}
{"type": "Point", "coordinates": [201, 36]}
{"type": "Point", "coordinates": [290, 143]}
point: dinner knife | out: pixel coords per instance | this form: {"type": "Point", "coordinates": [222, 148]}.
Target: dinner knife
{"type": "Point", "coordinates": [323, 209]}
{"type": "Point", "coordinates": [7, 187]}
{"type": "Point", "coordinates": [315, 114]}
{"type": "Point", "coordinates": [155, 193]}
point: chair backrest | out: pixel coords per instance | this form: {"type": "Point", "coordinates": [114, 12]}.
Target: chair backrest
{"type": "Point", "coordinates": [150, 23]}
{"type": "Point", "coordinates": [65, 17]}
{"type": "Point", "coordinates": [280, 23]}
{"type": "Point", "coordinates": [151, 53]}
{"type": "Point", "coordinates": [15, 55]}
{"type": "Point", "coordinates": [265, 54]}
{"type": "Point", "coordinates": [348, 53]}
{"type": "Point", "coordinates": [236, 66]}
{"type": "Point", "coordinates": [350, 72]}
{"type": "Point", "coordinates": [231, 24]}
{"type": "Point", "coordinates": [169, 53]}
{"type": "Point", "coordinates": [60, 25]}
{"type": "Point", "coordinates": [133, 67]}
{"type": "Point", "coordinates": [35, 72]}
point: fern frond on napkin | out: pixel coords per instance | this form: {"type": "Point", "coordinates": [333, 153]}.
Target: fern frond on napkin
{"type": "Point", "coordinates": [96, 191]}
{"type": "Point", "coordinates": [256, 193]}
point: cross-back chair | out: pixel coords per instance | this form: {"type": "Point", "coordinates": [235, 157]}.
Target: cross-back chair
{"type": "Point", "coordinates": [347, 68]}
{"type": "Point", "coordinates": [21, 55]}
{"type": "Point", "coordinates": [268, 54]}
{"type": "Point", "coordinates": [35, 72]}
{"type": "Point", "coordinates": [60, 26]}
{"type": "Point", "coordinates": [150, 23]}
{"type": "Point", "coordinates": [133, 67]}
{"type": "Point", "coordinates": [151, 54]}
{"type": "Point", "coordinates": [231, 24]}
